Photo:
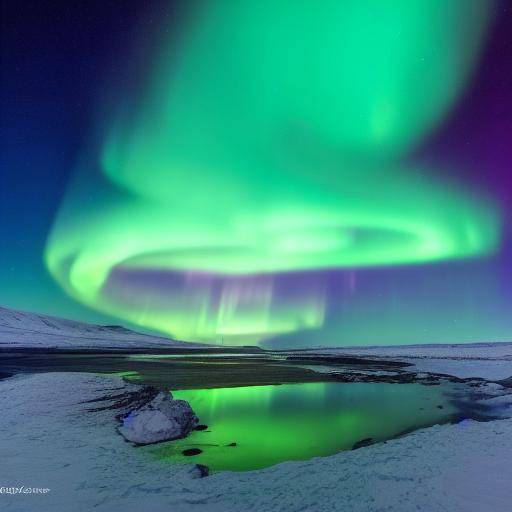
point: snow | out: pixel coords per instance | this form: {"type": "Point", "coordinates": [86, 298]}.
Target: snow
{"type": "Point", "coordinates": [492, 361]}
{"type": "Point", "coordinates": [495, 350]}
{"type": "Point", "coordinates": [19, 329]}
{"type": "Point", "coordinates": [48, 440]}
{"type": "Point", "coordinates": [162, 419]}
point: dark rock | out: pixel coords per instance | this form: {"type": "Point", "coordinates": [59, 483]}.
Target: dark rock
{"type": "Point", "coordinates": [125, 402]}
{"type": "Point", "coordinates": [189, 452]}
{"type": "Point", "coordinates": [201, 427]}
{"type": "Point", "coordinates": [440, 407]}
{"type": "Point", "coordinates": [507, 383]}
{"type": "Point", "coordinates": [367, 441]}
{"type": "Point", "coordinates": [199, 471]}
{"type": "Point", "coordinates": [231, 444]}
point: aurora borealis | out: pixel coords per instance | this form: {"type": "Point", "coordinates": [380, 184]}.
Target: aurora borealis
{"type": "Point", "coordinates": [276, 177]}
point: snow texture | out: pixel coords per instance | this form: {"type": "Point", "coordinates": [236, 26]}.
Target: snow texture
{"type": "Point", "coordinates": [19, 329]}
{"type": "Point", "coordinates": [491, 361]}
{"type": "Point", "coordinates": [47, 439]}
{"type": "Point", "coordinates": [163, 419]}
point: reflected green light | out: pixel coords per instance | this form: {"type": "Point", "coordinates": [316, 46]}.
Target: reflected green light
{"type": "Point", "coordinates": [274, 141]}
{"type": "Point", "coordinates": [270, 424]}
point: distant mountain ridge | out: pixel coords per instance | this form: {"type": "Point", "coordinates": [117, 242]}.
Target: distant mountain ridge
{"type": "Point", "coordinates": [23, 329]}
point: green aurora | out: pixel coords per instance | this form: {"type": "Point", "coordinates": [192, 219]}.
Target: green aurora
{"type": "Point", "coordinates": [270, 141]}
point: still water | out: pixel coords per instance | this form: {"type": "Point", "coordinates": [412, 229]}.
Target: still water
{"type": "Point", "coordinates": [258, 426]}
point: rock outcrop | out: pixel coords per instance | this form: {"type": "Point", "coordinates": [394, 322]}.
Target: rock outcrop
{"type": "Point", "coordinates": [199, 471]}
{"type": "Point", "coordinates": [367, 441]}
{"type": "Point", "coordinates": [161, 419]}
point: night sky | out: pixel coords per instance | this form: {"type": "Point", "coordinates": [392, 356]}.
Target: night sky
{"type": "Point", "coordinates": [241, 176]}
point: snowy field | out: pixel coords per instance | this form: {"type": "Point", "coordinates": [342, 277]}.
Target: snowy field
{"type": "Point", "coordinates": [21, 329]}
{"type": "Point", "coordinates": [492, 361]}
{"type": "Point", "coordinates": [49, 441]}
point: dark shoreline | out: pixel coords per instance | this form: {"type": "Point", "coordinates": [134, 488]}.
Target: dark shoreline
{"type": "Point", "coordinates": [154, 371]}
{"type": "Point", "coordinates": [174, 369]}
{"type": "Point", "coordinates": [188, 369]}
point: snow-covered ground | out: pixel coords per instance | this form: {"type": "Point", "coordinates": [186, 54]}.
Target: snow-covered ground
{"type": "Point", "coordinates": [22, 329]}
{"type": "Point", "coordinates": [492, 361]}
{"type": "Point", "coordinates": [48, 440]}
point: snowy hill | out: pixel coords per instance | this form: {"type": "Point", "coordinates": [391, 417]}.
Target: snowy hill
{"type": "Point", "coordinates": [20, 329]}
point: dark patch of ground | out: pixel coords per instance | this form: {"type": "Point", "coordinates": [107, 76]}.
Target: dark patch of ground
{"type": "Point", "coordinates": [196, 369]}
{"type": "Point", "coordinates": [367, 441]}
{"type": "Point", "coordinates": [189, 452]}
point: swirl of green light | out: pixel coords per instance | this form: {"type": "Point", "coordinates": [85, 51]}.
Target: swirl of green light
{"type": "Point", "coordinates": [252, 80]}
{"type": "Point", "coordinates": [274, 143]}
{"type": "Point", "coordinates": [390, 220]}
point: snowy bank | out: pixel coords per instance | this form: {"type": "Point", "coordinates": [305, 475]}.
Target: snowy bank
{"type": "Point", "coordinates": [48, 440]}
{"type": "Point", "coordinates": [162, 419]}
{"type": "Point", "coordinates": [19, 329]}
{"type": "Point", "coordinates": [492, 361]}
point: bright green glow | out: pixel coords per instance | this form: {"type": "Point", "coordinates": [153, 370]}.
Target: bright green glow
{"type": "Point", "coordinates": [271, 424]}
{"type": "Point", "coordinates": [408, 220]}
{"type": "Point", "coordinates": [272, 141]}
{"type": "Point", "coordinates": [249, 88]}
